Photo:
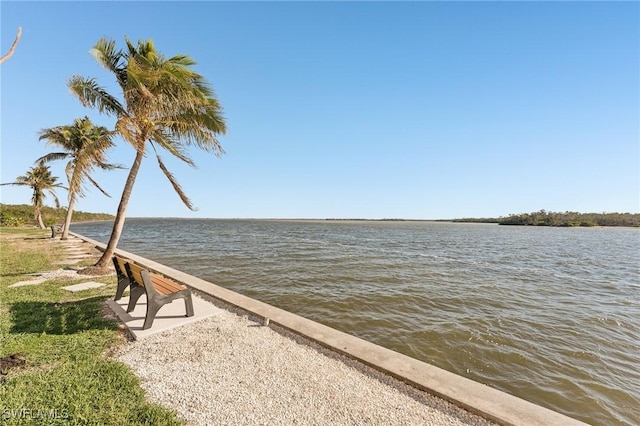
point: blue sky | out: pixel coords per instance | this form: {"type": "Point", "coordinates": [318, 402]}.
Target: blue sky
{"type": "Point", "coordinates": [422, 110]}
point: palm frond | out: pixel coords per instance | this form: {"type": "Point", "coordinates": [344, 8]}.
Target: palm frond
{"type": "Point", "coordinates": [200, 130]}
{"type": "Point", "coordinates": [15, 183]}
{"type": "Point", "coordinates": [94, 96]}
{"type": "Point", "coordinates": [110, 166]}
{"type": "Point", "coordinates": [55, 198]}
{"type": "Point", "coordinates": [55, 135]}
{"type": "Point", "coordinates": [182, 60]}
{"type": "Point", "coordinates": [94, 183]}
{"type": "Point", "coordinates": [167, 142]}
{"type": "Point", "coordinates": [111, 59]}
{"type": "Point", "coordinates": [175, 184]}
{"type": "Point", "coordinates": [53, 156]}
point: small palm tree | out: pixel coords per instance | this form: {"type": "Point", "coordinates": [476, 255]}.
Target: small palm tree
{"type": "Point", "coordinates": [39, 178]}
{"type": "Point", "coordinates": [85, 146]}
{"type": "Point", "coordinates": [164, 104]}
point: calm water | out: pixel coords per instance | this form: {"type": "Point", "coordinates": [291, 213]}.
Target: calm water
{"type": "Point", "coordinates": [548, 314]}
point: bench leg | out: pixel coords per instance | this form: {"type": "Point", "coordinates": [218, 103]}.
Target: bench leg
{"type": "Point", "coordinates": [152, 310]}
{"type": "Point", "coordinates": [188, 304]}
{"type": "Point", "coordinates": [122, 286]}
{"type": "Point", "coordinates": [153, 306]}
{"type": "Point", "coordinates": [134, 295]}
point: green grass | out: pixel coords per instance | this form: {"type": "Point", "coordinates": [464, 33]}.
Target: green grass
{"type": "Point", "coordinates": [64, 338]}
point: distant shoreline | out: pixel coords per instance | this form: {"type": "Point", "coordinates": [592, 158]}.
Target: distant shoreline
{"type": "Point", "coordinates": [359, 220]}
{"type": "Point", "coordinates": [23, 214]}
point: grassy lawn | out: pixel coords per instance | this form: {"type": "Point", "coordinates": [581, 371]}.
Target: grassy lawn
{"type": "Point", "coordinates": [64, 339]}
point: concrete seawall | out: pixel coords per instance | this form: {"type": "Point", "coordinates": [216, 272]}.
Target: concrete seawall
{"type": "Point", "coordinates": [477, 398]}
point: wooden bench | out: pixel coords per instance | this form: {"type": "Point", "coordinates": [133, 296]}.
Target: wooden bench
{"type": "Point", "coordinates": [55, 230]}
{"type": "Point", "coordinates": [159, 290]}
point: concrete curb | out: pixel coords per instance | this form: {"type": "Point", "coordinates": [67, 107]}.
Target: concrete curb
{"type": "Point", "coordinates": [475, 397]}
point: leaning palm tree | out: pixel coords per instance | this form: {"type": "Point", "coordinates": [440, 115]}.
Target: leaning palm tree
{"type": "Point", "coordinates": [85, 146]}
{"type": "Point", "coordinates": [39, 178]}
{"type": "Point", "coordinates": [164, 104]}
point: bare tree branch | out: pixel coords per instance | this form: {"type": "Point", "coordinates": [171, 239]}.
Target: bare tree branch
{"type": "Point", "coordinates": [13, 46]}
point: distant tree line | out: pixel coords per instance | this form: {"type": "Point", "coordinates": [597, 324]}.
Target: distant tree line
{"type": "Point", "coordinates": [545, 218]}
{"type": "Point", "coordinates": [473, 220]}
{"type": "Point", "coordinates": [22, 214]}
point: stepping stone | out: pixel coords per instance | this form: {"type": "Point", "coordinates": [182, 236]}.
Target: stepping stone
{"type": "Point", "coordinates": [31, 282]}
{"type": "Point", "coordinates": [83, 286]}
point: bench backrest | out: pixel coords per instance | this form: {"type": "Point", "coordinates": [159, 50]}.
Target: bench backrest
{"type": "Point", "coordinates": [135, 273]}
{"type": "Point", "coordinates": [153, 282]}
{"type": "Point", "coordinates": [118, 263]}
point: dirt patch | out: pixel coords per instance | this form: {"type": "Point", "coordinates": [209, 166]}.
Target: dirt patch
{"type": "Point", "coordinates": [11, 361]}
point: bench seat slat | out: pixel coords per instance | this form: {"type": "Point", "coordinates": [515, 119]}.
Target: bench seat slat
{"type": "Point", "coordinates": [165, 285]}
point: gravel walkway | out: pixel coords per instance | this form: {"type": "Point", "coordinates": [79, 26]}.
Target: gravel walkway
{"type": "Point", "coordinates": [229, 370]}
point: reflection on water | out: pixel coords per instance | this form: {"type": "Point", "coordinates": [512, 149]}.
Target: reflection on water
{"type": "Point", "coordinates": [548, 314]}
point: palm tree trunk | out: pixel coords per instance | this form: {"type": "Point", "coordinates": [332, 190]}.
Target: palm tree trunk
{"type": "Point", "coordinates": [38, 215]}
{"type": "Point", "coordinates": [67, 219]}
{"type": "Point", "coordinates": [118, 224]}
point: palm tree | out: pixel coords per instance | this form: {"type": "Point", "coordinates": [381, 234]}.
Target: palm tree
{"type": "Point", "coordinates": [85, 146]}
{"type": "Point", "coordinates": [39, 178]}
{"type": "Point", "coordinates": [164, 104]}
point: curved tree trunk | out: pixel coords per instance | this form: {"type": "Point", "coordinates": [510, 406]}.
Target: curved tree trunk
{"type": "Point", "coordinates": [38, 217]}
{"type": "Point", "coordinates": [67, 219]}
{"type": "Point", "coordinates": [118, 224]}
{"type": "Point", "coordinates": [13, 46]}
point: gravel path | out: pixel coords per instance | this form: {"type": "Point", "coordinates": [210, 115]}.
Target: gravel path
{"type": "Point", "coordinates": [230, 370]}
